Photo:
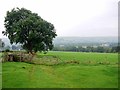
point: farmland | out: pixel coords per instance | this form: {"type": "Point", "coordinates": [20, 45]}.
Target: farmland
{"type": "Point", "coordinates": [0, 72]}
{"type": "Point", "coordinates": [63, 70]}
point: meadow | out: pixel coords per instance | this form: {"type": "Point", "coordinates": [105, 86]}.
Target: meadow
{"type": "Point", "coordinates": [63, 70]}
{"type": "Point", "coordinates": [0, 71]}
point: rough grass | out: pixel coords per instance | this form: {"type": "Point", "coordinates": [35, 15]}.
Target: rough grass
{"type": "Point", "coordinates": [82, 58]}
{"type": "Point", "coordinates": [65, 74]}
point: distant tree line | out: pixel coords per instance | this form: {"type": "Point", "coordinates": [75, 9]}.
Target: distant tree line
{"type": "Point", "coordinates": [100, 49]}
{"type": "Point", "coordinates": [83, 47]}
{"type": "Point", "coordinates": [2, 44]}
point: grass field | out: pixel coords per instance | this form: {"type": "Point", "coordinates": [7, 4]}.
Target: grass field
{"type": "Point", "coordinates": [57, 70]}
{"type": "Point", "coordinates": [0, 71]}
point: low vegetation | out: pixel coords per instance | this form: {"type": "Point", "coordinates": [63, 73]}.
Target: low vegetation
{"type": "Point", "coordinates": [63, 70]}
{"type": "Point", "coordinates": [0, 71]}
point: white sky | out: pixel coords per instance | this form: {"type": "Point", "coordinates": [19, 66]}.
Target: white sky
{"type": "Point", "coordinates": [82, 18]}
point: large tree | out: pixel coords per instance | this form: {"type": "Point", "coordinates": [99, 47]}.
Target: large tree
{"type": "Point", "coordinates": [29, 29]}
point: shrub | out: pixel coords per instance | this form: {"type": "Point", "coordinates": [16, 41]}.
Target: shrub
{"type": "Point", "coordinates": [7, 50]}
{"type": "Point", "coordinates": [16, 56]}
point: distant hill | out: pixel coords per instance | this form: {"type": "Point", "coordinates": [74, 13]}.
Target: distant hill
{"type": "Point", "coordinates": [75, 40]}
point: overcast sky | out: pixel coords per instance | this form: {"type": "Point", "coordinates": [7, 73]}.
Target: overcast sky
{"type": "Point", "coordinates": [82, 18]}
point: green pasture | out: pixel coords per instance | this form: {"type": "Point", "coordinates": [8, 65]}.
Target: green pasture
{"type": "Point", "coordinates": [0, 71]}
{"type": "Point", "coordinates": [93, 58]}
{"type": "Point", "coordinates": [94, 70]}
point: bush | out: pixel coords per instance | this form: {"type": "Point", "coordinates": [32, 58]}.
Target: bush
{"type": "Point", "coordinates": [16, 56]}
{"type": "Point", "coordinates": [7, 50]}
{"type": "Point", "coordinates": [5, 57]}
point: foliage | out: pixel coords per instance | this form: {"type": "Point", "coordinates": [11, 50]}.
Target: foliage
{"type": "Point", "coordinates": [116, 49]}
{"type": "Point", "coordinates": [16, 56]}
{"type": "Point", "coordinates": [7, 50]}
{"type": "Point", "coordinates": [29, 29]}
{"type": "Point", "coordinates": [101, 49]}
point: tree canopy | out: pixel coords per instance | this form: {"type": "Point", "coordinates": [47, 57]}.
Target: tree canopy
{"type": "Point", "coordinates": [29, 29]}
